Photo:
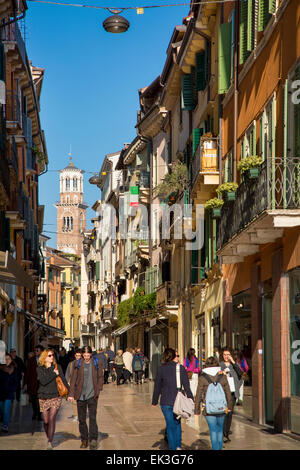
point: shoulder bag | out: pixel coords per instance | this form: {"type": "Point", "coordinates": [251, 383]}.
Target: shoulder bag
{"type": "Point", "coordinates": [62, 389]}
{"type": "Point", "coordinates": [184, 407]}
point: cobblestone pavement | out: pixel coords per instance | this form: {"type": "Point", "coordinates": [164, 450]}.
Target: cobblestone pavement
{"type": "Point", "coordinates": [127, 421]}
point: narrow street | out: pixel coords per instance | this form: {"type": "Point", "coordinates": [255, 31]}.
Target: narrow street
{"type": "Point", "coordinates": [127, 421]}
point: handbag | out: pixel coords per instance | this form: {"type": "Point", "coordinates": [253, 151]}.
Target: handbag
{"type": "Point", "coordinates": [62, 389]}
{"type": "Point", "coordinates": [184, 407]}
{"type": "Point", "coordinates": [24, 399]}
{"type": "Point", "coordinates": [190, 374]}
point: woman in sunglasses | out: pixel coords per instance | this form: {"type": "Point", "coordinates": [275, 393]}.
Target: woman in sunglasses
{"type": "Point", "coordinates": [49, 398]}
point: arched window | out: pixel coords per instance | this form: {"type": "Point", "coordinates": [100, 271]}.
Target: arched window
{"type": "Point", "coordinates": [71, 223]}
{"type": "Point", "coordinates": [67, 184]}
{"type": "Point", "coordinates": [74, 184]}
{"type": "Point", "coordinates": [64, 224]}
{"type": "Point", "coordinates": [68, 223]}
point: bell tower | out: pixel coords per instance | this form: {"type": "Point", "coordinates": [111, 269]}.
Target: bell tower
{"type": "Point", "coordinates": [71, 210]}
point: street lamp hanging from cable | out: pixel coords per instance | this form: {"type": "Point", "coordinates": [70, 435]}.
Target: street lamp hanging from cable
{"type": "Point", "coordinates": [116, 23]}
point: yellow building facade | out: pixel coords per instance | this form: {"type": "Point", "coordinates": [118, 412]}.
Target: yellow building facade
{"type": "Point", "coordinates": [71, 301]}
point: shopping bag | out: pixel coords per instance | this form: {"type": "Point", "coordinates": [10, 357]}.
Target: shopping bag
{"type": "Point", "coordinates": [24, 399]}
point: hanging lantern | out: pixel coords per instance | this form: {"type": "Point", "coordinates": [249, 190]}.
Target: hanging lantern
{"type": "Point", "coordinates": [116, 24]}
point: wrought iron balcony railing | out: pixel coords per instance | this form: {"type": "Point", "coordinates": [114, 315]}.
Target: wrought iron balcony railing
{"type": "Point", "coordinates": [14, 155]}
{"type": "Point", "coordinates": [12, 33]}
{"type": "Point", "coordinates": [277, 187]}
{"type": "Point", "coordinates": [13, 107]}
{"type": "Point", "coordinates": [205, 159]}
{"type": "Point", "coordinates": [167, 294]}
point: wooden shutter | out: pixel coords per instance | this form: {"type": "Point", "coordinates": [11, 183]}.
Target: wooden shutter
{"type": "Point", "coordinates": [273, 128]}
{"type": "Point", "coordinates": [226, 165]}
{"type": "Point", "coordinates": [232, 43]}
{"type": "Point", "coordinates": [196, 139]}
{"type": "Point", "coordinates": [250, 25]}
{"type": "Point", "coordinates": [297, 121]}
{"type": "Point", "coordinates": [285, 119]}
{"type": "Point", "coordinates": [200, 71]}
{"type": "Point", "coordinates": [244, 53]}
{"type": "Point", "coordinates": [224, 51]}
{"type": "Point", "coordinates": [263, 14]}
{"type": "Point", "coordinates": [97, 270]}
{"type": "Point", "coordinates": [187, 92]}
{"type": "Point", "coordinates": [272, 6]}
{"type": "Point", "coordinates": [194, 266]}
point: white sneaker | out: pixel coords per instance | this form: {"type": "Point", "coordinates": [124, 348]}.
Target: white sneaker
{"type": "Point", "coordinates": [178, 448]}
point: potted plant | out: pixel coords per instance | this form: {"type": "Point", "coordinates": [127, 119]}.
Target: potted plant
{"type": "Point", "coordinates": [173, 184]}
{"type": "Point", "coordinates": [215, 206]}
{"type": "Point", "coordinates": [250, 166]}
{"type": "Point", "coordinates": [228, 189]}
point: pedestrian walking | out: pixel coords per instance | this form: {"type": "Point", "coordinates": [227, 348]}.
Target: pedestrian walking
{"type": "Point", "coordinates": [137, 366]}
{"type": "Point", "coordinates": [213, 398]}
{"type": "Point", "coordinates": [49, 399]}
{"type": "Point", "coordinates": [192, 366]}
{"type": "Point", "coordinates": [9, 379]}
{"type": "Point", "coordinates": [111, 359]}
{"type": "Point", "coordinates": [119, 366]}
{"type": "Point", "coordinates": [63, 360]}
{"type": "Point", "coordinates": [20, 370]}
{"type": "Point", "coordinates": [106, 371]}
{"type": "Point", "coordinates": [234, 376]}
{"type": "Point", "coordinates": [241, 361]}
{"type": "Point", "coordinates": [103, 358]}
{"type": "Point", "coordinates": [127, 358]}
{"type": "Point", "coordinates": [31, 382]}
{"type": "Point", "coordinates": [69, 372]}
{"type": "Point", "coordinates": [166, 387]}
{"type": "Point", "coordinates": [86, 385]}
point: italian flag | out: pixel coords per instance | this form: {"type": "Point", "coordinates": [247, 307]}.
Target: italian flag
{"type": "Point", "coordinates": [134, 196]}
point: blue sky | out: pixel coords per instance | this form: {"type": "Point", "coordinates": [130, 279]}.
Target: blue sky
{"type": "Point", "coordinates": [90, 91]}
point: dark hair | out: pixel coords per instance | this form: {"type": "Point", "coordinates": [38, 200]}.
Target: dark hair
{"type": "Point", "coordinates": [168, 355]}
{"type": "Point", "coordinates": [211, 362]}
{"type": "Point", "coordinates": [86, 349]}
{"type": "Point", "coordinates": [77, 350]}
{"type": "Point", "coordinates": [190, 354]}
{"type": "Point", "coordinates": [227, 349]}
{"type": "Point", "coordinates": [39, 346]}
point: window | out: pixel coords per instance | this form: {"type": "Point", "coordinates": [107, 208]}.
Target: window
{"type": "Point", "coordinates": [228, 167]}
{"type": "Point", "coordinates": [250, 141]}
{"type": "Point", "coordinates": [75, 184]}
{"type": "Point", "coordinates": [67, 184]}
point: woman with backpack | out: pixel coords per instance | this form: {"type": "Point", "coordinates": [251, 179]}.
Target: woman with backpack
{"type": "Point", "coordinates": [192, 366]}
{"type": "Point", "coordinates": [214, 398]}
{"type": "Point", "coordinates": [166, 387]}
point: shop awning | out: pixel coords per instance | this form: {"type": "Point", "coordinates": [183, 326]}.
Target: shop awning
{"type": "Point", "coordinates": [12, 273]}
{"type": "Point", "coordinates": [55, 331]}
{"type": "Point", "coordinates": [123, 329]}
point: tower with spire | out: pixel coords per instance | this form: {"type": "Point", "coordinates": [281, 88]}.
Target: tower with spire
{"type": "Point", "coordinates": [71, 210]}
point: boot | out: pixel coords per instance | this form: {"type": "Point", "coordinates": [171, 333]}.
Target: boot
{"type": "Point", "coordinates": [84, 445]}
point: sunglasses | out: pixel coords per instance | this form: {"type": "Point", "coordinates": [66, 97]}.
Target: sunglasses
{"type": "Point", "coordinates": [50, 355]}
{"type": "Point", "coordinates": [177, 355]}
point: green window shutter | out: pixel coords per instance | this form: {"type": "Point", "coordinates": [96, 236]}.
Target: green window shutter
{"type": "Point", "coordinates": [195, 91]}
{"type": "Point", "coordinates": [64, 277]}
{"type": "Point", "coordinates": [201, 71]}
{"type": "Point", "coordinates": [194, 266]}
{"type": "Point", "coordinates": [254, 139]}
{"type": "Point", "coordinates": [224, 51]}
{"type": "Point", "coordinates": [196, 139]}
{"type": "Point", "coordinates": [50, 275]}
{"type": "Point", "coordinates": [97, 270]}
{"type": "Point", "coordinates": [187, 92]}
{"type": "Point", "coordinates": [244, 53]}
{"type": "Point", "coordinates": [214, 241]}
{"type": "Point", "coordinates": [297, 120]}
{"type": "Point", "coordinates": [274, 128]}
{"type": "Point", "coordinates": [285, 119]}
{"type": "Point", "coordinates": [2, 62]}
{"type": "Point", "coordinates": [232, 43]}
{"type": "Point", "coordinates": [263, 14]}
{"type": "Point", "coordinates": [226, 165]}
{"type": "Point", "coordinates": [272, 6]}
{"type": "Point", "coordinates": [250, 26]}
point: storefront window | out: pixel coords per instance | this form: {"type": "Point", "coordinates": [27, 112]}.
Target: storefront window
{"type": "Point", "coordinates": [295, 349]}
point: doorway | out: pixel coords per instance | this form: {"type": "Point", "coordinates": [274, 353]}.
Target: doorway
{"type": "Point", "coordinates": [156, 353]}
{"type": "Point", "coordinates": [268, 361]}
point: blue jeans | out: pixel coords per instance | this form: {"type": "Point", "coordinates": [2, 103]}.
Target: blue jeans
{"type": "Point", "coordinates": [215, 424]}
{"type": "Point", "coordinates": [5, 407]}
{"type": "Point", "coordinates": [173, 427]}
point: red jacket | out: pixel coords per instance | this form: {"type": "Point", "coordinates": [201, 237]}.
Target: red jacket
{"type": "Point", "coordinates": [30, 377]}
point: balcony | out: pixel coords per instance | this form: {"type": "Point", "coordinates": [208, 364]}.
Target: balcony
{"type": "Point", "coordinates": [131, 260]}
{"type": "Point", "coordinates": [119, 270]}
{"type": "Point", "coordinates": [13, 111]}
{"type": "Point", "coordinates": [263, 208]}
{"type": "Point", "coordinates": [107, 312]}
{"type": "Point", "coordinates": [167, 297]}
{"type": "Point", "coordinates": [66, 285]}
{"type": "Point", "coordinates": [205, 170]}
{"type": "Point", "coordinates": [14, 155]}
{"type": "Point", "coordinates": [92, 287]}
{"type": "Point", "coordinates": [84, 329]}
{"type": "Point", "coordinates": [11, 36]}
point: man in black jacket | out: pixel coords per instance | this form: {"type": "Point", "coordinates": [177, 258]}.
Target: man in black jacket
{"type": "Point", "coordinates": [20, 370]}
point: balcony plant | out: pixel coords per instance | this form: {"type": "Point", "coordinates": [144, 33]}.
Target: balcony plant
{"type": "Point", "coordinates": [250, 166]}
{"type": "Point", "coordinates": [214, 205]}
{"type": "Point", "coordinates": [228, 190]}
{"type": "Point", "coordinates": [174, 183]}
{"type": "Point", "coordinates": [124, 310]}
